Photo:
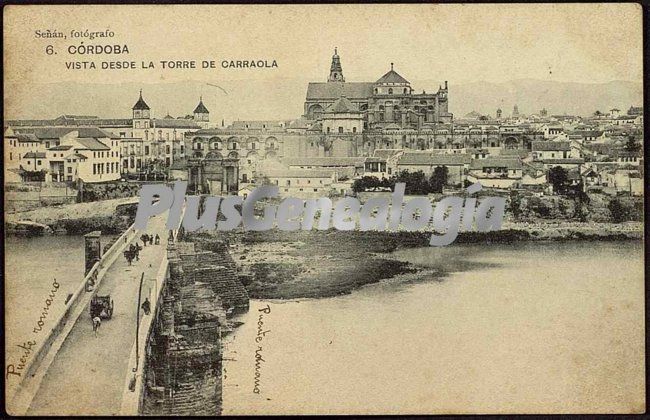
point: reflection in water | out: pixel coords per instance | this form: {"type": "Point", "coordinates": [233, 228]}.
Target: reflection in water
{"type": "Point", "coordinates": [525, 327]}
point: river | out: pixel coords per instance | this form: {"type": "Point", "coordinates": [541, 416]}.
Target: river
{"type": "Point", "coordinates": [31, 266]}
{"type": "Point", "coordinates": [534, 327]}
{"type": "Point", "coordinates": [538, 327]}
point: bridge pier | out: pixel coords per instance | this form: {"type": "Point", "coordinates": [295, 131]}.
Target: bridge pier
{"type": "Point", "coordinates": [93, 248]}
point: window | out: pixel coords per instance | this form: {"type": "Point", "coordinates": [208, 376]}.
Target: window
{"type": "Point", "coordinates": [69, 177]}
{"type": "Point", "coordinates": [244, 178]}
{"type": "Point", "coordinates": [288, 182]}
{"type": "Point", "coordinates": [390, 91]}
{"type": "Point", "coordinates": [405, 90]}
{"type": "Point", "coordinates": [146, 150]}
{"type": "Point", "coordinates": [38, 162]}
{"type": "Point", "coordinates": [354, 129]}
{"type": "Point", "coordinates": [328, 129]}
{"type": "Point", "coordinates": [340, 129]}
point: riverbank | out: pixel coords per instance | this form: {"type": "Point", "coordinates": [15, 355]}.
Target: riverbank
{"type": "Point", "coordinates": [108, 216]}
{"type": "Point", "coordinates": [315, 264]}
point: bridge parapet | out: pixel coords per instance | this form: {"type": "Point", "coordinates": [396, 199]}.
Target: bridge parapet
{"type": "Point", "coordinates": [45, 353]}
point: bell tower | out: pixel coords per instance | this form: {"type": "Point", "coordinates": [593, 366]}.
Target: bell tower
{"type": "Point", "coordinates": [336, 71]}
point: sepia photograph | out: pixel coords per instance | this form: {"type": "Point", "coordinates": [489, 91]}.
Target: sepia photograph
{"type": "Point", "coordinates": [323, 209]}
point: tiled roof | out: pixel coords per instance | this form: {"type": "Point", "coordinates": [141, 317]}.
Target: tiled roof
{"type": "Point", "coordinates": [299, 173]}
{"type": "Point", "coordinates": [514, 152]}
{"type": "Point", "coordinates": [92, 144]}
{"type": "Point", "coordinates": [496, 162]}
{"type": "Point", "coordinates": [418, 158]}
{"type": "Point", "coordinates": [60, 147]}
{"type": "Point", "coordinates": [392, 77]}
{"type": "Point", "coordinates": [342, 105]}
{"type": "Point", "coordinates": [324, 161]}
{"type": "Point", "coordinates": [386, 153]}
{"type": "Point", "coordinates": [58, 132]}
{"type": "Point", "coordinates": [374, 159]}
{"type": "Point", "coordinates": [26, 138]}
{"type": "Point", "coordinates": [34, 155]}
{"type": "Point", "coordinates": [543, 146]}
{"type": "Point", "coordinates": [334, 90]}
{"type": "Point", "coordinates": [564, 161]}
{"type": "Point", "coordinates": [175, 123]}
{"type": "Point", "coordinates": [76, 156]}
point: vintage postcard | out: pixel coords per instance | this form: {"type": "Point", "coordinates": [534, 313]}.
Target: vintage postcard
{"type": "Point", "coordinates": [324, 209]}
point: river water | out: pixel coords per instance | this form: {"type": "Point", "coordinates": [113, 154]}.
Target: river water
{"type": "Point", "coordinates": [539, 327]}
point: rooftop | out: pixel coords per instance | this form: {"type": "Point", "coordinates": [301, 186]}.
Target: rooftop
{"type": "Point", "coordinates": [426, 158]}
{"type": "Point", "coordinates": [334, 90]}
{"type": "Point", "coordinates": [544, 146]}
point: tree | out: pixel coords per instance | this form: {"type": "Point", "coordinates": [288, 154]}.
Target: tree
{"type": "Point", "coordinates": [438, 179]}
{"type": "Point", "coordinates": [515, 204]}
{"type": "Point", "coordinates": [559, 179]}
{"type": "Point", "coordinates": [598, 113]}
{"type": "Point", "coordinates": [366, 183]}
{"type": "Point", "coordinates": [618, 212]}
{"type": "Point", "coordinates": [632, 145]}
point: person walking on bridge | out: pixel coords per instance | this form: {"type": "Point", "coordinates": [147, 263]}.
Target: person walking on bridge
{"type": "Point", "coordinates": [97, 322]}
{"type": "Point", "coordinates": [146, 306]}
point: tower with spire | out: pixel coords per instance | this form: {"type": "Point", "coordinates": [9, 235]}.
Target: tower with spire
{"type": "Point", "coordinates": [201, 114]}
{"type": "Point", "coordinates": [336, 71]}
{"type": "Point", "coordinates": [141, 113]}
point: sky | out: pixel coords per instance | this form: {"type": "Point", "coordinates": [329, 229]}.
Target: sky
{"type": "Point", "coordinates": [593, 43]}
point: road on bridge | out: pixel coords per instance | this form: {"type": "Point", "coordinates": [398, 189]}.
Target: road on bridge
{"type": "Point", "coordinates": [87, 376]}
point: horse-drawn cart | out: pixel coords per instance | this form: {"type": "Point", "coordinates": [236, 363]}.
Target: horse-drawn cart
{"type": "Point", "coordinates": [101, 306]}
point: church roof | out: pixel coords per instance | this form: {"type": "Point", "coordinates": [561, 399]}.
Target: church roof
{"type": "Point", "coordinates": [392, 77]}
{"type": "Point", "coordinates": [141, 104]}
{"type": "Point", "coordinates": [201, 109]}
{"type": "Point", "coordinates": [334, 90]}
{"type": "Point", "coordinates": [342, 105]}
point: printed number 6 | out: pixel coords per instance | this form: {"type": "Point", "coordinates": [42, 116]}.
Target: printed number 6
{"type": "Point", "coordinates": [49, 50]}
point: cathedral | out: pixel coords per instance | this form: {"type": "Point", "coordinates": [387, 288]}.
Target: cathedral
{"type": "Point", "coordinates": [389, 102]}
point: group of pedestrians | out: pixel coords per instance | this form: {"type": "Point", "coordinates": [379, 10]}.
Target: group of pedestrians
{"type": "Point", "coordinates": [150, 239]}
{"type": "Point", "coordinates": [133, 253]}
